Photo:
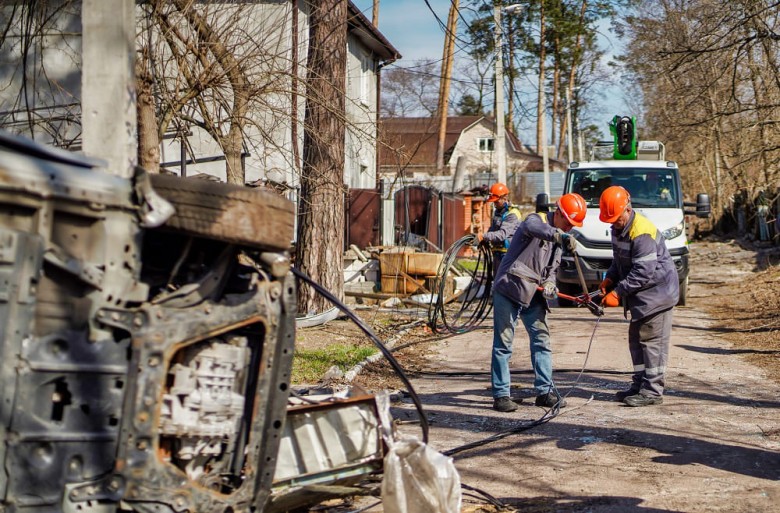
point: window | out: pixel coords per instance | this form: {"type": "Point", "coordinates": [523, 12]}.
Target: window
{"type": "Point", "coordinates": [486, 144]}
{"type": "Point", "coordinates": [365, 77]}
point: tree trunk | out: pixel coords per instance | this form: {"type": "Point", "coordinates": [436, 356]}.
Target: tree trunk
{"type": "Point", "coordinates": [511, 73]}
{"type": "Point", "coordinates": [148, 140]}
{"type": "Point", "coordinates": [232, 142]}
{"type": "Point", "coordinates": [540, 92]}
{"type": "Point", "coordinates": [319, 250]}
{"type": "Point", "coordinates": [575, 62]}
{"type": "Point", "coordinates": [444, 85]}
{"type": "Point", "coordinates": [556, 101]}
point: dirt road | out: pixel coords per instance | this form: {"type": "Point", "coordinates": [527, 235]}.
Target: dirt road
{"type": "Point", "coordinates": [713, 445]}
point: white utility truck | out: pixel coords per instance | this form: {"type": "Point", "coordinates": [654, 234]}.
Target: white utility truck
{"type": "Point", "coordinates": [654, 185]}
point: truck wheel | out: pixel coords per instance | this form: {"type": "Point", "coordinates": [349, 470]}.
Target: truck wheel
{"type": "Point", "coordinates": [683, 292]}
{"type": "Point", "coordinates": [226, 212]}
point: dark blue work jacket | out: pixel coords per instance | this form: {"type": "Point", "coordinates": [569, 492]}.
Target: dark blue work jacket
{"type": "Point", "coordinates": [531, 260]}
{"type": "Point", "coordinates": [642, 268]}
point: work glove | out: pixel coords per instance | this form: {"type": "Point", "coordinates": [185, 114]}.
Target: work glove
{"type": "Point", "coordinates": [611, 299]}
{"type": "Point", "coordinates": [565, 240]}
{"type": "Point", "coordinates": [550, 290]}
{"type": "Point", "coordinates": [605, 286]}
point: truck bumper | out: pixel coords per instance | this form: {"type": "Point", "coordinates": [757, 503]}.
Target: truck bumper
{"type": "Point", "coordinates": [594, 269]}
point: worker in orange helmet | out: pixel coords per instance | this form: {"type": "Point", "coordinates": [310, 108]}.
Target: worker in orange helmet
{"type": "Point", "coordinates": [531, 263]}
{"type": "Point", "coordinates": [505, 220]}
{"type": "Point", "coordinates": [643, 277]}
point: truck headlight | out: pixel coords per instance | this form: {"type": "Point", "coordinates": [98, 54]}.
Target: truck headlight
{"type": "Point", "coordinates": [674, 231]}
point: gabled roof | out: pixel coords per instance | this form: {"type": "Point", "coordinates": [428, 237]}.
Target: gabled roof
{"type": "Point", "coordinates": [417, 139]}
{"type": "Point", "coordinates": [369, 35]}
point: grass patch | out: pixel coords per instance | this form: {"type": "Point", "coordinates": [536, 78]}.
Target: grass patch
{"type": "Point", "coordinates": [310, 364]}
{"type": "Point", "coordinates": [469, 264]}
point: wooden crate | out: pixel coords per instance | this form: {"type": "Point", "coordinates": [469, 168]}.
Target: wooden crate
{"type": "Point", "coordinates": [433, 283]}
{"type": "Point", "coordinates": [423, 264]}
{"type": "Point", "coordinates": [400, 285]}
{"type": "Point", "coordinates": [392, 263]}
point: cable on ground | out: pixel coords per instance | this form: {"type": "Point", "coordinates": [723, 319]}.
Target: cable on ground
{"type": "Point", "coordinates": [465, 311]}
{"type": "Point", "coordinates": [378, 343]}
{"type": "Point", "coordinates": [547, 417]}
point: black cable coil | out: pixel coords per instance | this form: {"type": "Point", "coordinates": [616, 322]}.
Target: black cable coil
{"type": "Point", "coordinates": [463, 311]}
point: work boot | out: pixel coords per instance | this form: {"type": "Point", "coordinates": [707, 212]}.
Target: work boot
{"type": "Point", "coordinates": [504, 404]}
{"type": "Point", "coordinates": [549, 400]}
{"type": "Point", "coordinates": [620, 396]}
{"type": "Point", "coordinates": [643, 400]}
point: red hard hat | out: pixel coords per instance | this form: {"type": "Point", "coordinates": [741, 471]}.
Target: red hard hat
{"type": "Point", "coordinates": [613, 203]}
{"type": "Point", "coordinates": [497, 190]}
{"type": "Point", "coordinates": [573, 207]}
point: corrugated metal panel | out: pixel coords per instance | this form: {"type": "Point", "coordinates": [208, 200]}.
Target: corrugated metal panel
{"type": "Point", "coordinates": [324, 442]}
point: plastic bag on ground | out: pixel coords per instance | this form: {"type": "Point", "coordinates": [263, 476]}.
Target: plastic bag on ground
{"type": "Point", "coordinates": [417, 479]}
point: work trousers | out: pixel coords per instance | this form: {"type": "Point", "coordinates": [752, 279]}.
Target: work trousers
{"type": "Point", "coordinates": [534, 317]}
{"type": "Point", "coordinates": [648, 342]}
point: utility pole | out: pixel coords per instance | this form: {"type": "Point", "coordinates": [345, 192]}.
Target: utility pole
{"type": "Point", "coordinates": [375, 14]}
{"type": "Point", "coordinates": [499, 88]}
{"type": "Point", "coordinates": [569, 140]}
{"type": "Point", "coordinates": [545, 158]}
{"type": "Point", "coordinates": [444, 85]}
{"type": "Point", "coordinates": [108, 103]}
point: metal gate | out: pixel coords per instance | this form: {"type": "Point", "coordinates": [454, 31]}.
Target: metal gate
{"type": "Point", "coordinates": [363, 211]}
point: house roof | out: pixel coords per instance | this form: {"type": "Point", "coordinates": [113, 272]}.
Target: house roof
{"type": "Point", "coordinates": [414, 141]}
{"type": "Point", "coordinates": [369, 35]}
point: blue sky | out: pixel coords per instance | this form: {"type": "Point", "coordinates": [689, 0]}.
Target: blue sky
{"type": "Point", "coordinates": [412, 28]}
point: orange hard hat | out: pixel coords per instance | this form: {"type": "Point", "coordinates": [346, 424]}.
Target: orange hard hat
{"type": "Point", "coordinates": [573, 207]}
{"type": "Point", "coordinates": [613, 203]}
{"type": "Point", "coordinates": [497, 190]}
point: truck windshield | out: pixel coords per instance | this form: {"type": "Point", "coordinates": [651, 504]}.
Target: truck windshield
{"type": "Point", "coordinates": [648, 187]}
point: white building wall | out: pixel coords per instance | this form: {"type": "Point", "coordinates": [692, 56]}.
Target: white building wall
{"type": "Point", "coordinates": [269, 136]}
{"type": "Point", "coordinates": [360, 108]}
{"type": "Point", "coordinates": [483, 161]}
{"type": "Point", "coordinates": [52, 76]}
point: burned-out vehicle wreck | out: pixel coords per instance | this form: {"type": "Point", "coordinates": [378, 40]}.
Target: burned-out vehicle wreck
{"type": "Point", "coordinates": [147, 343]}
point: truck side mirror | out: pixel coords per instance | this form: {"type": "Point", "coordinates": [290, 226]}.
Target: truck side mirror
{"type": "Point", "coordinates": [702, 206]}
{"type": "Point", "coordinates": [542, 202]}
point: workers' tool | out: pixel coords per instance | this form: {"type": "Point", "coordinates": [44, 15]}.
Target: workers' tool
{"type": "Point", "coordinates": [585, 300]}
{"type": "Point", "coordinates": [579, 272]}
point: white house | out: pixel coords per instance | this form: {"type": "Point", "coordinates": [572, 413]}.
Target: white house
{"type": "Point", "coordinates": [278, 29]}
{"type": "Point", "coordinates": [408, 146]}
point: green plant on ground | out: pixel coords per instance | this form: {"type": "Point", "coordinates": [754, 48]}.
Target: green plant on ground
{"type": "Point", "coordinates": [468, 264]}
{"type": "Point", "coordinates": [309, 365]}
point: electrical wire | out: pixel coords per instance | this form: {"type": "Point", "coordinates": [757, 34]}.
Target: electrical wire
{"type": "Point", "coordinates": [525, 426]}
{"type": "Point", "coordinates": [547, 417]}
{"type": "Point", "coordinates": [382, 348]}
{"type": "Point", "coordinates": [481, 277]}
{"type": "Point", "coordinates": [484, 496]}
{"type": "Point", "coordinates": [467, 310]}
